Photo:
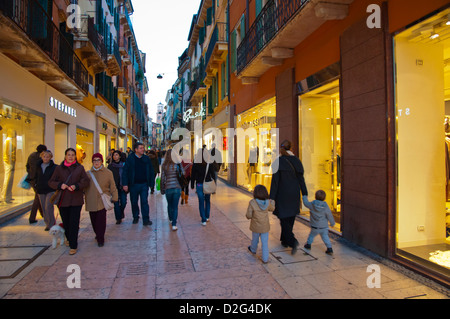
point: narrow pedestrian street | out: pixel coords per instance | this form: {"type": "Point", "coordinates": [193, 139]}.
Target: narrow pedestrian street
{"type": "Point", "coordinates": [195, 262]}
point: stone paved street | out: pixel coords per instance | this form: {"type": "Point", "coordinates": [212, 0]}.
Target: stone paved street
{"type": "Point", "coordinates": [195, 262]}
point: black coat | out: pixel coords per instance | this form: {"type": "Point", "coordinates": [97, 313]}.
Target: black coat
{"type": "Point", "coordinates": [286, 186]}
{"type": "Point", "coordinates": [41, 178]}
{"type": "Point", "coordinates": [198, 173]}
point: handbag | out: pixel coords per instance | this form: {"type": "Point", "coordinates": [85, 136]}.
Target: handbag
{"type": "Point", "coordinates": [55, 198]}
{"type": "Point", "coordinates": [181, 178]}
{"type": "Point", "coordinates": [107, 203]}
{"type": "Point", "coordinates": [209, 187]}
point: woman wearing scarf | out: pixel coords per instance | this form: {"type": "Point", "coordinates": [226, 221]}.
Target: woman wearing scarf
{"type": "Point", "coordinates": [116, 167]}
{"type": "Point", "coordinates": [94, 202]}
{"type": "Point", "coordinates": [70, 179]}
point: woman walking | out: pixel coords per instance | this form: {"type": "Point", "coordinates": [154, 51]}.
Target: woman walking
{"type": "Point", "coordinates": [70, 180]}
{"type": "Point", "coordinates": [94, 203]}
{"type": "Point", "coordinates": [202, 172]}
{"type": "Point", "coordinates": [170, 186]}
{"type": "Point", "coordinates": [287, 182]}
{"type": "Point", "coordinates": [43, 172]}
{"type": "Point", "coordinates": [116, 167]}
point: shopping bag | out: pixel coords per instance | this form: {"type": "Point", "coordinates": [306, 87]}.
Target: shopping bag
{"type": "Point", "coordinates": [23, 182]}
{"type": "Point", "coordinates": [158, 183]}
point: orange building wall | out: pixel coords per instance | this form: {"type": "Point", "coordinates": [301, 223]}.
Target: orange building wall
{"type": "Point", "coordinates": [321, 48]}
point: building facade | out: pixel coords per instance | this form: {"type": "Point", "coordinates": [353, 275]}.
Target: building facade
{"type": "Point", "coordinates": [361, 90]}
{"type": "Point", "coordinates": [60, 83]}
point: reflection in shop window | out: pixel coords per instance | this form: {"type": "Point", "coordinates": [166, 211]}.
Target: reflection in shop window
{"type": "Point", "coordinates": [19, 138]}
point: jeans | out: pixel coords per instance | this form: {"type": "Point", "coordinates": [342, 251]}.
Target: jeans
{"type": "Point", "coordinates": [204, 203]}
{"type": "Point", "coordinates": [264, 244]}
{"type": "Point", "coordinates": [119, 206]}
{"type": "Point", "coordinates": [323, 232]}
{"type": "Point", "coordinates": [173, 198]}
{"type": "Point", "coordinates": [136, 191]}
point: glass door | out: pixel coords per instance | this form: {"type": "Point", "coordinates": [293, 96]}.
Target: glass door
{"type": "Point", "coordinates": [320, 145]}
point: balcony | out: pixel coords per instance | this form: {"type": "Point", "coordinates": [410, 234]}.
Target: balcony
{"type": "Point", "coordinates": [217, 51]}
{"type": "Point", "coordinates": [105, 87]}
{"type": "Point", "coordinates": [114, 61]}
{"type": "Point", "coordinates": [197, 87]}
{"type": "Point", "coordinates": [89, 45]}
{"type": "Point", "coordinates": [29, 36]}
{"type": "Point", "coordinates": [278, 29]}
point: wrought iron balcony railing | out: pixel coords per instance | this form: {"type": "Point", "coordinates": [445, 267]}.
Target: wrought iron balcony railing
{"type": "Point", "coordinates": [34, 20]}
{"type": "Point", "coordinates": [269, 22]}
{"type": "Point", "coordinates": [219, 34]}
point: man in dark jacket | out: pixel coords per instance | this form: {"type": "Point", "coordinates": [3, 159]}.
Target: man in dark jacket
{"type": "Point", "coordinates": [287, 182]}
{"type": "Point", "coordinates": [31, 167]}
{"type": "Point", "coordinates": [137, 177]}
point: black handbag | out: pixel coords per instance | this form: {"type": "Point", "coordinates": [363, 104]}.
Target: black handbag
{"type": "Point", "coordinates": [181, 178]}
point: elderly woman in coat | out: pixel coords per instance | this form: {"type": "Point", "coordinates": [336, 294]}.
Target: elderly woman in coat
{"type": "Point", "coordinates": [287, 182]}
{"type": "Point", "coordinates": [94, 202]}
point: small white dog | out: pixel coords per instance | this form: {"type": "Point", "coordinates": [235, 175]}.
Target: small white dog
{"type": "Point", "coordinates": [57, 232]}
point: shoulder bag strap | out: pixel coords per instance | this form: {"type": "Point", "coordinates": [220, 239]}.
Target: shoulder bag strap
{"type": "Point", "coordinates": [206, 172]}
{"type": "Point", "coordinates": [96, 184]}
{"type": "Point", "coordinates": [295, 172]}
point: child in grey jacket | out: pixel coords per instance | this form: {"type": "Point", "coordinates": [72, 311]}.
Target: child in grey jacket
{"type": "Point", "coordinates": [320, 215]}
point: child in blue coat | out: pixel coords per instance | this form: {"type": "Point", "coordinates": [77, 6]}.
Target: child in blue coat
{"type": "Point", "coordinates": [320, 215]}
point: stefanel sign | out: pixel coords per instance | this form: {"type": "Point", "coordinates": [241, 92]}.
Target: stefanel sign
{"type": "Point", "coordinates": [60, 106]}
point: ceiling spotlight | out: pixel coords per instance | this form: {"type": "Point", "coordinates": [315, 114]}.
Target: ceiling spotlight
{"type": "Point", "coordinates": [434, 35]}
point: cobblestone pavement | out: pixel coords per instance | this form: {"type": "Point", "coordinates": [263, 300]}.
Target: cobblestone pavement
{"type": "Point", "coordinates": [195, 262]}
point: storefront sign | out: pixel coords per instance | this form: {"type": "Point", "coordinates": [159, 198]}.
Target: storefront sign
{"type": "Point", "coordinates": [187, 114]}
{"type": "Point", "coordinates": [62, 107]}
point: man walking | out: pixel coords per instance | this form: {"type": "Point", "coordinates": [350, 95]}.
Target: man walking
{"type": "Point", "coordinates": [137, 177]}
{"type": "Point", "coordinates": [32, 167]}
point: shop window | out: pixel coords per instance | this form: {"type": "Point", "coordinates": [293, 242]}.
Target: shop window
{"type": "Point", "coordinates": [422, 66]}
{"type": "Point", "coordinates": [320, 145]}
{"type": "Point", "coordinates": [85, 147]}
{"type": "Point", "coordinates": [256, 170]}
{"type": "Point", "coordinates": [21, 132]}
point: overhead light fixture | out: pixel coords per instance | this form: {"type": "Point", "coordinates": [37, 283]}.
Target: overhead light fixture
{"type": "Point", "coordinates": [159, 76]}
{"type": "Point", "coordinates": [434, 35]}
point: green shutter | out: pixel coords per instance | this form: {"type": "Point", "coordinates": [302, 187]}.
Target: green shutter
{"type": "Point", "coordinates": [243, 27]}
{"type": "Point", "coordinates": [209, 16]}
{"type": "Point", "coordinates": [258, 4]}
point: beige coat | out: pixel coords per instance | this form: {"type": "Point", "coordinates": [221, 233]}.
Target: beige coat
{"type": "Point", "coordinates": [259, 218]}
{"type": "Point", "coordinates": [106, 181]}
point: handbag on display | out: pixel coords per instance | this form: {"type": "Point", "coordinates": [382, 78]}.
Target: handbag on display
{"type": "Point", "coordinates": [181, 178]}
{"type": "Point", "coordinates": [209, 187]}
{"type": "Point", "coordinates": [107, 199]}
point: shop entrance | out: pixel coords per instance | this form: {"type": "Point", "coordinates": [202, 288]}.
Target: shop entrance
{"type": "Point", "coordinates": [320, 145]}
{"type": "Point", "coordinates": [61, 141]}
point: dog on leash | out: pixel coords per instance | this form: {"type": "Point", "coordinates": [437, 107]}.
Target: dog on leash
{"type": "Point", "coordinates": [57, 232]}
